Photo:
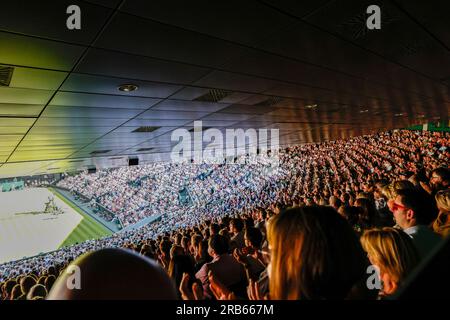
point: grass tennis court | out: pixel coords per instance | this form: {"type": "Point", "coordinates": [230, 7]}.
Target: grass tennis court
{"type": "Point", "coordinates": [88, 228]}
{"type": "Point", "coordinates": [26, 230]}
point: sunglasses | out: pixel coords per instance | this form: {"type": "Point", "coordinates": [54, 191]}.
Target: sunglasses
{"type": "Point", "coordinates": [396, 206]}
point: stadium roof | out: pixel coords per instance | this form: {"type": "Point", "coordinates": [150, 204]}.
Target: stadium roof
{"type": "Point", "coordinates": [310, 68]}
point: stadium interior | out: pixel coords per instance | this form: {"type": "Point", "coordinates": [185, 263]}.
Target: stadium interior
{"type": "Point", "coordinates": [87, 122]}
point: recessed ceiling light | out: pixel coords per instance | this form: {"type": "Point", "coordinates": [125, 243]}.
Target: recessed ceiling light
{"type": "Point", "coordinates": [364, 111]}
{"type": "Point", "coordinates": [420, 116]}
{"type": "Point", "coordinates": [311, 106]}
{"type": "Point", "coordinates": [128, 87]}
{"type": "Point", "coordinates": [399, 114]}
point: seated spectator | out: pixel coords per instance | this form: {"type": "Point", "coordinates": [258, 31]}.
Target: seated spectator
{"type": "Point", "coordinates": [335, 202]}
{"type": "Point", "coordinates": [351, 214]}
{"type": "Point", "coordinates": [237, 231]}
{"type": "Point", "coordinates": [251, 256]}
{"type": "Point", "coordinates": [26, 283]}
{"type": "Point", "coordinates": [442, 223]}
{"type": "Point", "coordinates": [38, 290]}
{"type": "Point", "coordinates": [16, 293]}
{"type": "Point", "coordinates": [164, 258]}
{"type": "Point", "coordinates": [179, 265]}
{"type": "Point", "coordinates": [224, 266]}
{"type": "Point", "coordinates": [7, 288]}
{"type": "Point", "coordinates": [413, 211]}
{"type": "Point", "coordinates": [49, 281]}
{"type": "Point", "coordinates": [314, 255]}
{"type": "Point", "coordinates": [103, 277]}
{"type": "Point", "coordinates": [439, 180]}
{"type": "Point", "coordinates": [368, 216]}
{"type": "Point", "coordinates": [394, 253]}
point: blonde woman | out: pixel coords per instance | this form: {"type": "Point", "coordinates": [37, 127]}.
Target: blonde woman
{"type": "Point", "coordinates": [394, 253]}
{"type": "Point", "coordinates": [314, 255]}
{"type": "Point", "coordinates": [442, 223]}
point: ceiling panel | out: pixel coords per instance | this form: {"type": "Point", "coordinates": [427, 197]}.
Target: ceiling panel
{"type": "Point", "coordinates": [47, 19]}
{"type": "Point", "coordinates": [173, 43]}
{"type": "Point", "coordinates": [155, 123]}
{"type": "Point", "coordinates": [19, 156]}
{"type": "Point", "coordinates": [101, 100]}
{"type": "Point", "coordinates": [172, 115]}
{"type": "Point", "coordinates": [79, 122]}
{"type": "Point", "coordinates": [15, 122]}
{"type": "Point", "coordinates": [236, 82]}
{"type": "Point", "coordinates": [37, 78]}
{"type": "Point", "coordinates": [180, 105]}
{"type": "Point", "coordinates": [399, 40]}
{"type": "Point", "coordinates": [38, 129]}
{"type": "Point", "coordinates": [242, 21]}
{"type": "Point", "coordinates": [189, 93]}
{"type": "Point", "coordinates": [24, 96]}
{"type": "Point", "coordinates": [434, 18]}
{"type": "Point", "coordinates": [20, 110]}
{"type": "Point", "coordinates": [123, 65]}
{"type": "Point", "coordinates": [107, 85]}
{"type": "Point", "coordinates": [106, 3]}
{"type": "Point", "coordinates": [13, 130]}
{"type": "Point", "coordinates": [87, 112]}
{"type": "Point", "coordinates": [212, 123]}
{"type": "Point", "coordinates": [20, 169]}
{"type": "Point", "coordinates": [241, 108]}
{"type": "Point", "coordinates": [128, 132]}
{"type": "Point", "coordinates": [33, 52]}
{"type": "Point", "coordinates": [228, 116]}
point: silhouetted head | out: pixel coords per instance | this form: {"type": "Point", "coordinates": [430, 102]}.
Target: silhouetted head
{"type": "Point", "coordinates": [113, 274]}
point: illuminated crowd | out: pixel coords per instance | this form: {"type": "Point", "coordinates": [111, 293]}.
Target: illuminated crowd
{"type": "Point", "coordinates": [353, 202]}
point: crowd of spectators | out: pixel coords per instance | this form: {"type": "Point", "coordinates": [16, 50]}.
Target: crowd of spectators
{"type": "Point", "coordinates": [306, 229]}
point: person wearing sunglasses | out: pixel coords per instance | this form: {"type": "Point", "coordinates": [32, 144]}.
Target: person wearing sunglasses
{"type": "Point", "coordinates": [414, 210]}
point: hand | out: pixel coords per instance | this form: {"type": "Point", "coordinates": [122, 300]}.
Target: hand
{"type": "Point", "coordinates": [186, 293]}
{"type": "Point", "coordinates": [239, 256]}
{"type": "Point", "coordinates": [253, 291]}
{"type": "Point", "coordinates": [198, 291]}
{"type": "Point", "coordinates": [219, 290]}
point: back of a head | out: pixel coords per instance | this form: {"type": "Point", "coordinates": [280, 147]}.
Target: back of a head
{"type": "Point", "coordinates": [16, 292]}
{"type": "Point", "coordinates": [219, 244]}
{"type": "Point", "coordinates": [403, 185]}
{"type": "Point", "coordinates": [238, 224]}
{"type": "Point", "coordinates": [421, 203]}
{"type": "Point", "coordinates": [26, 283]}
{"type": "Point", "coordinates": [38, 290]}
{"type": "Point", "coordinates": [443, 200]}
{"type": "Point", "coordinates": [392, 250]}
{"type": "Point", "coordinates": [254, 236]}
{"type": "Point", "coordinates": [315, 255]}
{"type": "Point", "coordinates": [111, 274]}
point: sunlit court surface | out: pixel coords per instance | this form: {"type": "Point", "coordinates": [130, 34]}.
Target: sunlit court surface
{"type": "Point", "coordinates": [27, 230]}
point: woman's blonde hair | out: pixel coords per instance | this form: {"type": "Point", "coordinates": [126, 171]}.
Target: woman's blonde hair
{"type": "Point", "coordinates": [442, 223]}
{"type": "Point", "coordinates": [443, 200]}
{"type": "Point", "coordinates": [392, 250]}
{"type": "Point", "coordinates": [314, 255]}
{"type": "Point", "coordinates": [388, 191]}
